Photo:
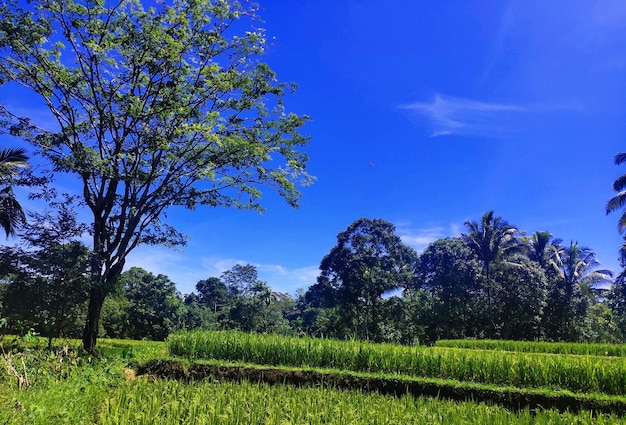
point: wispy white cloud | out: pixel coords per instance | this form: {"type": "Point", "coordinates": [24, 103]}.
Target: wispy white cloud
{"type": "Point", "coordinates": [186, 271]}
{"type": "Point", "coordinates": [448, 115]}
{"type": "Point", "coordinates": [280, 278]}
{"type": "Point", "coordinates": [499, 42]}
{"type": "Point", "coordinates": [420, 238]}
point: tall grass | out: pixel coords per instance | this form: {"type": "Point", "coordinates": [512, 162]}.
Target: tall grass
{"type": "Point", "coordinates": [617, 350]}
{"type": "Point", "coordinates": [208, 403]}
{"type": "Point", "coordinates": [574, 373]}
{"type": "Point", "coordinates": [58, 386]}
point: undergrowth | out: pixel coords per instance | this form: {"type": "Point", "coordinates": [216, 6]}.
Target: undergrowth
{"type": "Point", "coordinates": [54, 384]}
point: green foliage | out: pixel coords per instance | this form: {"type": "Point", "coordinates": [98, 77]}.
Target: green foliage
{"type": "Point", "coordinates": [520, 298]}
{"type": "Point", "coordinates": [212, 293]}
{"type": "Point", "coordinates": [47, 279]}
{"type": "Point", "coordinates": [113, 317]}
{"type": "Point", "coordinates": [368, 261]}
{"type": "Point", "coordinates": [239, 280]}
{"type": "Point", "coordinates": [197, 315]}
{"type": "Point", "coordinates": [448, 271]}
{"type": "Point", "coordinates": [239, 300]}
{"type": "Point", "coordinates": [403, 320]}
{"type": "Point", "coordinates": [321, 322]}
{"type": "Point", "coordinates": [571, 294]}
{"type": "Point", "coordinates": [154, 309]}
{"type": "Point", "coordinates": [158, 107]}
{"type": "Point", "coordinates": [491, 240]}
{"type": "Point", "coordinates": [617, 302]}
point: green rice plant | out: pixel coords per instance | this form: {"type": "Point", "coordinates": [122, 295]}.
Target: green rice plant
{"type": "Point", "coordinates": [131, 349]}
{"type": "Point", "coordinates": [587, 349]}
{"type": "Point", "coordinates": [393, 385]}
{"type": "Point", "coordinates": [534, 370]}
{"type": "Point", "coordinates": [165, 402]}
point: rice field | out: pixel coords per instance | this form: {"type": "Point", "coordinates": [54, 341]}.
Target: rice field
{"type": "Point", "coordinates": [617, 350]}
{"type": "Point", "coordinates": [580, 374]}
{"type": "Point", "coordinates": [164, 402]}
{"type": "Point", "coordinates": [64, 387]}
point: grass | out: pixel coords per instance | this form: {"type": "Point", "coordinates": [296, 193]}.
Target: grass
{"type": "Point", "coordinates": [585, 374]}
{"type": "Point", "coordinates": [587, 349]}
{"type": "Point", "coordinates": [64, 386]}
{"type": "Point", "coordinates": [57, 386]}
{"type": "Point", "coordinates": [509, 397]}
{"type": "Point", "coordinates": [172, 402]}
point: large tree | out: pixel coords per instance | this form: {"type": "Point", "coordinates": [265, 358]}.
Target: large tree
{"type": "Point", "coordinates": [578, 275]}
{"type": "Point", "coordinates": [450, 273]}
{"type": "Point", "coordinates": [11, 212]}
{"type": "Point", "coordinates": [155, 108]}
{"type": "Point", "coordinates": [213, 293]}
{"type": "Point", "coordinates": [579, 266]}
{"type": "Point", "coordinates": [154, 307]}
{"type": "Point", "coordinates": [368, 260]}
{"type": "Point", "coordinates": [520, 299]}
{"type": "Point", "coordinates": [492, 240]}
{"type": "Point", "coordinates": [251, 304]}
{"type": "Point", "coordinates": [241, 279]}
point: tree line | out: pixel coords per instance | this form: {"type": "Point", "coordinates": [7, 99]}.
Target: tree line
{"type": "Point", "coordinates": [491, 281]}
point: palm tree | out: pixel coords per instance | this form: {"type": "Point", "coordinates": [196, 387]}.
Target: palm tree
{"type": "Point", "coordinates": [491, 240]}
{"type": "Point", "coordinates": [577, 278]}
{"type": "Point", "coordinates": [578, 268]}
{"type": "Point", "coordinates": [618, 202]}
{"type": "Point", "coordinates": [11, 212]}
{"type": "Point", "coordinates": [541, 248]}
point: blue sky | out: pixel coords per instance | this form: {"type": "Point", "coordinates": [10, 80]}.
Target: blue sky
{"type": "Point", "coordinates": [427, 114]}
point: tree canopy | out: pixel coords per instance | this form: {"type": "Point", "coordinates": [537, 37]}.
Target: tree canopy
{"type": "Point", "coordinates": [154, 107]}
{"type": "Point", "coordinates": [368, 260]}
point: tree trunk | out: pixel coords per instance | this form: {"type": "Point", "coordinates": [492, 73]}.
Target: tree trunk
{"type": "Point", "coordinates": [90, 334]}
{"type": "Point", "coordinates": [492, 322]}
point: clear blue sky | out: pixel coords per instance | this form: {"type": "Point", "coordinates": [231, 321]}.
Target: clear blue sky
{"type": "Point", "coordinates": [427, 114]}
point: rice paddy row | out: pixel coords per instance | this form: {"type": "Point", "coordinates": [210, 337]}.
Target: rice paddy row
{"type": "Point", "coordinates": [164, 402]}
{"type": "Point", "coordinates": [579, 374]}
{"type": "Point", "coordinates": [617, 350]}
{"type": "Point", "coordinates": [509, 397]}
